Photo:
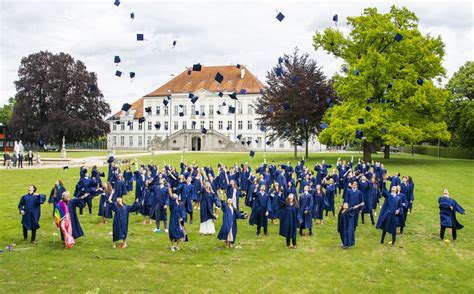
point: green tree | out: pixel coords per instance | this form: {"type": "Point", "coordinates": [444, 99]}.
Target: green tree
{"type": "Point", "coordinates": [386, 58]}
{"type": "Point", "coordinates": [6, 111]}
{"type": "Point", "coordinates": [460, 114]}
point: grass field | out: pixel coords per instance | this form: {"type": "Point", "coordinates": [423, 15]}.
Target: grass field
{"type": "Point", "coordinates": [419, 263]}
{"type": "Point", "coordinates": [80, 154]}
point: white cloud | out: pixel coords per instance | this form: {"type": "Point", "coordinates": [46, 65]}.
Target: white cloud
{"type": "Point", "coordinates": [209, 32]}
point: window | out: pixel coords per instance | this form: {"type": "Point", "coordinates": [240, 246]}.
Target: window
{"type": "Point", "coordinates": [130, 127]}
{"type": "Point", "coordinates": [239, 125]}
{"type": "Point", "coordinates": [140, 141]}
{"type": "Point", "coordinates": [193, 109]}
{"type": "Point", "coordinates": [211, 109]}
{"type": "Point", "coordinates": [272, 144]}
{"type": "Point", "coordinates": [249, 109]}
{"type": "Point", "coordinates": [202, 124]}
{"type": "Point", "coordinates": [122, 126]}
{"type": "Point", "coordinates": [148, 140]}
{"type": "Point", "coordinates": [193, 125]}
{"type": "Point", "coordinates": [219, 108]}
{"type": "Point", "coordinates": [185, 110]}
{"type": "Point", "coordinates": [158, 110]}
{"type": "Point", "coordinates": [259, 142]}
{"type": "Point", "coordinates": [240, 109]}
{"type": "Point", "coordinates": [114, 126]}
{"type": "Point", "coordinates": [130, 141]}
{"type": "Point", "coordinates": [201, 110]}
{"type": "Point", "coordinates": [176, 110]}
{"type": "Point", "coordinates": [114, 140]}
{"type": "Point", "coordinates": [229, 125]}
{"type": "Point", "coordinates": [220, 125]}
{"type": "Point", "coordinates": [166, 126]}
{"type": "Point", "coordinates": [122, 140]}
{"type": "Point", "coordinates": [249, 125]}
{"type": "Point", "coordinates": [282, 144]}
{"type": "Point", "coordinates": [175, 126]}
{"type": "Point", "coordinates": [166, 110]}
{"type": "Point", "coordinates": [184, 125]}
{"type": "Point", "coordinates": [211, 125]}
{"type": "Point", "coordinates": [149, 126]}
{"type": "Point", "coordinates": [140, 126]}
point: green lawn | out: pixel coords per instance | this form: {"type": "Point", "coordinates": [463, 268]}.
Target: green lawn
{"type": "Point", "coordinates": [85, 153]}
{"type": "Point", "coordinates": [419, 262]}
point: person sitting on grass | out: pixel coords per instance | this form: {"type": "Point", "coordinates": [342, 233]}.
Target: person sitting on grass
{"type": "Point", "coordinates": [120, 223]}
{"type": "Point", "coordinates": [447, 215]}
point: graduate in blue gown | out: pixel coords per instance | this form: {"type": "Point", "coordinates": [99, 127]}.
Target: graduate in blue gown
{"type": "Point", "coordinates": [186, 195]}
{"type": "Point", "coordinates": [318, 204]}
{"type": "Point", "coordinates": [120, 223]}
{"type": "Point", "coordinates": [128, 177]}
{"type": "Point", "coordinates": [30, 210]}
{"type": "Point", "coordinates": [105, 210]}
{"type": "Point", "coordinates": [355, 202]}
{"type": "Point", "coordinates": [228, 231]}
{"type": "Point", "coordinates": [274, 193]}
{"type": "Point", "coordinates": [159, 204]}
{"type": "Point", "coordinates": [329, 195]}
{"type": "Point", "coordinates": [345, 226]}
{"type": "Point", "coordinates": [262, 207]}
{"type": "Point", "coordinates": [364, 187]}
{"type": "Point", "coordinates": [177, 233]}
{"type": "Point", "coordinates": [207, 215]}
{"type": "Point", "coordinates": [447, 215]}
{"type": "Point", "coordinates": [289, 219]}
{"type": "Point", "coordinates": [305, 211]}
{"type": "Point", "coordinates": [56, 193]}
{"type": "Point", "coordinates": [391, 214]}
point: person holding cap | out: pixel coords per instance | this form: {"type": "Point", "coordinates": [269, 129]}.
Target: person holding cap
{"type": "Point", "coordinates": [30, 210]}
{"type": "Point", "coordinates": [447, 215]}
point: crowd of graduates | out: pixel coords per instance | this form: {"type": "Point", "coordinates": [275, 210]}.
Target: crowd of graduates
{"type": "Point", "coordinates": [296, 197]}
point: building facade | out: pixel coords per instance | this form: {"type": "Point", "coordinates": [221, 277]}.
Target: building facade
{"type": "Point", "coordinates": [194, 112]}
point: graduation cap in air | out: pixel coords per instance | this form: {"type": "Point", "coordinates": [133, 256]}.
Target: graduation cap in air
{"type": "Point", "coordinates": [295, 79]}
{"type": "Point", "coordinates": [219, 78]}
{"type": "Point", "coordinates": [194, 99]}
{"type": "Point", "coordinates": [92, 88]}
{"type": "Point", "coordinates": [165, 102]}
{"type": "Point", "coordinates": [384, 130]}
{"type": "Point", "coordinates": [389, 85]}
{"type": "Point", "coordinates": [249, 142]}
{"type": "Point", "coordinates": [148, 109]}
{"type": "Point", "coordinates": [368, 108]}
{"type": "Point", "coordinates": [233, 96]}
{"type": "Point", "coordinates": [140, 37]}
{"type": "Point", "coordinates": [204, 131]}
{"type": "Point", "coordinates": [228, 128]}
{"type": "Point", "coordinates": [420, 81]}
{"type": "Point", "coordinates": [279, 71]}
{"type": "Point", "coordinates": [345, 69]}
{"type": "Point", "coordinates": [224, 104]}
{"type": "Point", "coordinates": [174, 43]}
{"type": "Point", "coordinates": [231, 109]}
{"type": "Point", "coordinates": [110, 159]}
{"type": "Point", "coordinates": [359, 134]}
{"type": "Point", "coordinates": [360, 121]}
{"type": "Point", "coordinates": [238, 65]}
{"type": "Point", "coordinates": [203, 113]}
{"type": "Point", "coordinates": [252, 153]}
{"type": "Point", "coordinates": [398, 37]}
{"type": "Point", "coordinates": [280, 60]}
{"type": "Point", "coordinates": [269, 142]}
{"type": "Point", "coordinates": [132, 75]}
{"type": "Point", "coordinates": [262, 128]}
{"type": "Point", "coordinates": [280, 16]}
{"type": "Point", "coordinates": [102, 174]}
{"type": "Point", "coordinates": [218, 112]}
{"type": "Point", "coordinates": [323, 125]}
{"type": "Point", "coordinates": [331, 43]}
{"type": "Point", "coordinates": [141, 120]}
{"type": "Point", "coordinates": [335, 18]}
{"type": "Point", "coordinates": [129, 123]}
{"type": "Point", "coordinates": [126, 107]}
{"type": "Point", "coordinates": [132, 15]}
{"type": "Point", "coordinates": [370, 100]}
{"type": "Point", "coordinates": [239, 136]}
{"type": "Point", "coordinates": [196, 112]}
{"type": "Point", "coordinates": [65, 167]}
{"type": "Point", "coordinates": [118, 73]}
{"type": "Point", "coordinates": [181, 113]}
{"type": "Point", "coordinates": [117, 60]}
{"type": "Point", "coordinates": [193, 122]}
{"type": "Point", "coordinates": [117, 3]}
{"type": "Point", "coordinates": [220, 94]}
{"type": "Point", "coordinates": [328, 100]}
{"type": "Point", "coordinates": [243, 143]}
{"type": "Point", "coordinates": [190, 95]}
{"type": "Point", "coordinates": [197, 67]}
{"type": "Point", "coordinates": [286, 106]}
{"type": "Point", "coordinates": [242, 91]}
{"type": "Point", "coordinates": [356, 72]}
{"type": "Point", "coordinates": [117, 122]}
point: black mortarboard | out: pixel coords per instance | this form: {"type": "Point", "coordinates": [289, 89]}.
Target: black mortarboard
{"type": "Point", "coordinates": [165, 102]}
{"type": "Point", "coordinates": [262, 128]}
{"type": "Point", "coordinates": [389, 85]}
{"type": "Point", "coordinates": [197, 67]}
{"type": "Point", "coordinates": [224, 104]}
{"type": "Point", "coordinates": [249, 142]}
{"type": "Point", "coordinates": [181, 114]}
{"type": "Point", "coordinates": [252, 153]}
{"type": "Point", "coordinates": [194, 99]}
{"type": "Point", "coordinates": [398, 37]}
{"type": "Point", "coordinates": [384, 130]}
{"type": "Point", "coordinates": [203, 130]}
{"type": "Point", "coordinates": [193, 122]}
{"type": "Point", "coordinates": [279, 71]}
{"type": "Point", "coordinates": [345, 69]}
{"type": "Point", "coordinates": [359, 134]}
{"type": "Point", "coordinates": [219, 78]}
{"type": "Point", "coordinates": [117, 59]}
{"type": "Point", "coordinates": [117, 122]}
{"type": "Point", "coordinates": [174, 43]}
{"type": "Point", "coordinates": [102, 174]}
{"type": "Point", "coordinates": [370, 100]}
{"type": "Point", "coordinates": [141, 120]}
{"type": "Point", "coordinates": [203, 113]}
{"type": "Point", "coordinates": [132, 15]}
{"type": "Point", "coordinates": [323, 125]}
{"type": "Point", "coordinates": [356, 72]}
{"type": "Point", "coordinates": [286, 106]}
{"type": "Point", "coordinates": [242, 91]}
{"type": "Point", "coordinates": [360, 121]}
{"type": "Point", "coordinates": [218, 112]}
{"type": "Point", "coordinates": [239, 136]}
{"type": "Point", "coordinates": [419, 81]}
{"type": "Point", "coordinates": [335, 18]}
{"type": "Point", "coordinates": [65, 167]}
{"type": "Point", "coordinates": [328, 100]}
{"type": "Point", "coordinates": [228, 128]}
{"type": "Point", "coordinates": [238, 65]}
{"type": "Point", "coordinates": [243, 143]}
{"type": "Point", "coordinates": [197, 112]}
{"type": "Point", "coordinates": [331, 43]}
{"type": "Point", "coordinates": [220, 94]}
{"type": "Point", "coordinates": [269, 142]}
{"type": "Point", "coordinates": [231, 109]}
{"type": "Point", "coordinates": [190, 95]}
{"type": "Point", "coordinates": [132, 74]}
{"type": "Point", "coordinates": [280, 16]}
{"type": "Point", "coordinates": [118, 73]}
{"type": "Point", "coordinates": [117, 3]}
{"type": "Point", "coordinates": [140, 37]}
{"type": "Point", "coordinates": [92, 88]}
{"type": "Point", "coordinates": [126, 107]}
{"type": "Point", "coordinates": [368, 108]}
{"type": "Point", "coordinates": [129, 123]}
{"type": "Point", "coordinates": [147, 109]}
{"type": "Point", "coordinates": [233, 96]}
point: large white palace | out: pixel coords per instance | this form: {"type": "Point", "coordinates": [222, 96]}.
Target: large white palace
{"type": "Point", "coordinates": [167, 118]}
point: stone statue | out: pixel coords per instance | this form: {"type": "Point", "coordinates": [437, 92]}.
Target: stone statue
{"type": "Point", "coordinates": [63, 148]}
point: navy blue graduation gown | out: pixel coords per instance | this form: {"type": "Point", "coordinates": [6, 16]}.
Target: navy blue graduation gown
{"type": "Point", "coordinates": [229, 222]}
{"type": "Point", "coordinates": [104, 206]}
{"type": "Point", "coordinates": [230, 193]}
{"type": "Point", "coordinates": [354, 198]}
{"type": "Point", "coordinates": [55, 195]}
{"type": "Point", "coordinates": [388, 220]}
{"type": "Point", "coordinates": [250, 195]}
{"type": "Point", "coordinates": [77, 231]}
{"type": "Point", "coordinates": [318, 205]}
{"type": "Point", "coordinates": [206, 207]}
{"type": "Point", "coordinates": [159, 198]}
{"type": "Point", "coordinates": [275, 211]}
{"type": "Point", "coordinates": [364, 187]}
{"type": "Point", "coordinates": [305, 210]}
{"type": "Point", "coordinates": [329, 197]}
{"type": "Point", "coordinates": [374, 195]}
{"type": "Point", "coordinates": [261, 205]}
{"type": "Point", "coordinates": [128, 177]}
{"type": "Point", "coordinates": [345, 228]}
{"type": "Point", "coordinates": [187, 191]}
{"type": "Point", "coordinates": [175, 230]}
{"type": "Point", "coordinates": [289, 219]}
{"type": "Point", "coordinates": [447, 216]}
{"type": "Point", "coordinates": [120, 223]}
{"type": "Point", "coordinates": [30, 204]}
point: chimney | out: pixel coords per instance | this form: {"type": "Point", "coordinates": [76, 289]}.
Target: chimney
{"type": "Point", "coordinates": [242, 73]}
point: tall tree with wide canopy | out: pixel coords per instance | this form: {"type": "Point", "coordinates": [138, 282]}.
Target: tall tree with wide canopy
{"type": "Point", "coordinates": [6, 112]}
{"type": "Point", "coordinates": [386, 88]}
{"type": "Point", "coordinates": [294, 100]}
{"type": "Point", "coordinates": [56, 96]}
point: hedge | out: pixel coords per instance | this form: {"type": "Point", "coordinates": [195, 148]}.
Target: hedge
{"type": "Point", "coordinates": [449, 152]}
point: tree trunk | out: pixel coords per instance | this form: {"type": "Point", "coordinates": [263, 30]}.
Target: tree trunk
{"type": "Point", "coordinates": [367, 151]}
{"type": "Point", "coordinates": [296, 149]}
{"type": "Point", "coordinates": [386, 152]}
{"type": "Point", "coordinates": [306, 154]}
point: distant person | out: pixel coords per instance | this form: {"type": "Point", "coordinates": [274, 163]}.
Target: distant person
{"type": "Point", "coordinates": [228, 231]}
{"type": "Point", "coordinates": [38, 158]}
{"type": "Point", "coordinates": [391, 214]}
{"type": "Point", "coordinates": [120, 223]}
{"type": "Point", "coordinates": [7, 161]}
{"type": "Point", "coordinates": [20, 160]}
{"type": "Point", "coordinates": [56, 193]}
{"type": "Point", "coordinates": [30, 157]}
{"type": "Point", "coordinates": [177, 231]}
{"type": "Point", "coordinates": [289, 219]}
{"type": "Point", "coordinates": [30, 210]}
{"type": "Point", "coordinates": [15, 159]}
{"type": "Point", "coordinates": [447, 215]}
{"type": "Point", "coordinates": [66, 219]}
